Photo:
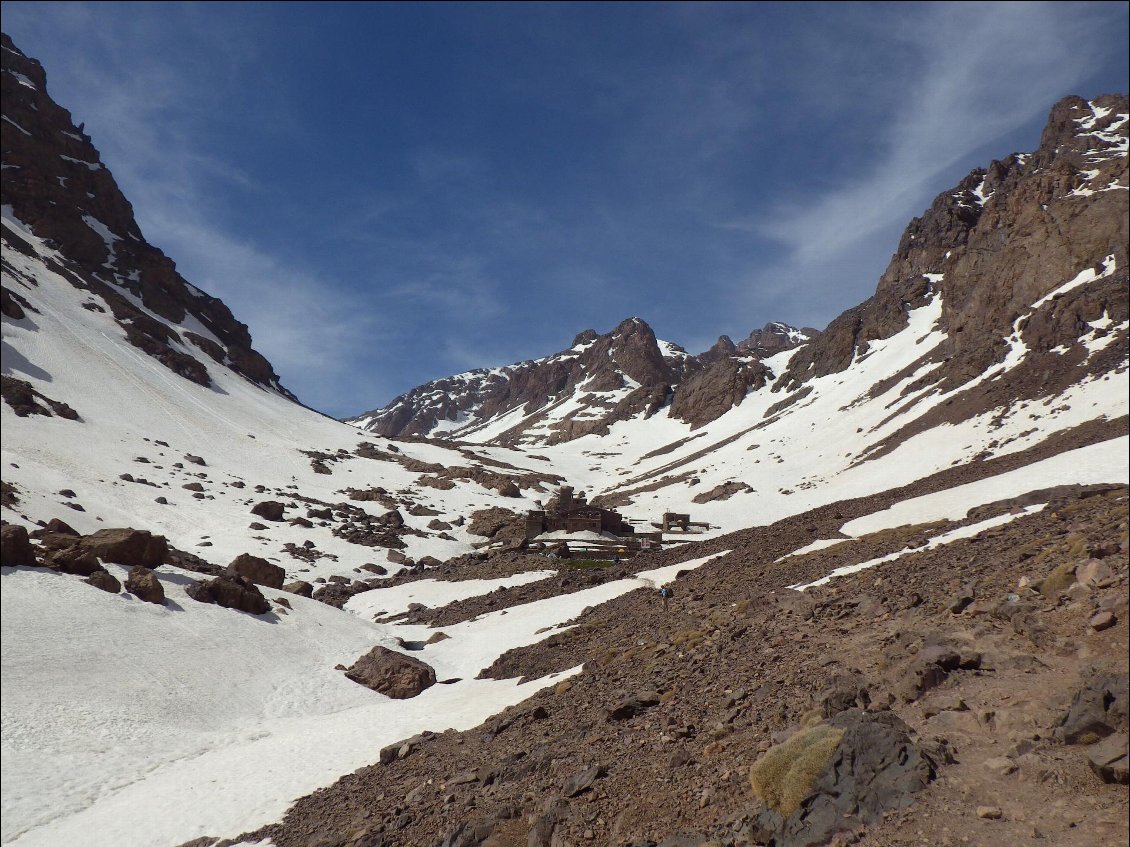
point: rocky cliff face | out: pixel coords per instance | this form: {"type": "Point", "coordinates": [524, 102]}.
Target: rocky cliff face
{"type": "Point", "coordinates": [995, 244]}
{"type": "Point", "coordinates": [598, 380]}
{"type": "Point", "coordinates": [56, 184]}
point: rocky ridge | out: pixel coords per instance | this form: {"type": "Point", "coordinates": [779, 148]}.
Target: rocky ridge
{"type": "Point", "coordinates": [55, 182]}
{"type": "Point", "coordinates": [601, 379]}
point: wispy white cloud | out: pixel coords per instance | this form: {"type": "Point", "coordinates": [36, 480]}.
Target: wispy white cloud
{"type": "Point", "coordinates": [981, 71]}
{"type": "Point", "coordinates": [149, 122]}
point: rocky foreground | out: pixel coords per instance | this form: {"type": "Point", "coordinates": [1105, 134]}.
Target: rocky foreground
{"type": "Point", "coordinates": [973, 693]}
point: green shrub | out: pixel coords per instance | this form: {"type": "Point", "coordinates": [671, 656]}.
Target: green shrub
{"type": "Point", "coordinates": [783, 777]}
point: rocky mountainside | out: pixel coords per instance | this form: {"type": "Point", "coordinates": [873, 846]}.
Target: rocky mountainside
{"type": "Point", "coordinates": [598, 381]}
{"type": "Point", "coordinates": [990, 247]}
{"type": "Point", "coordinates": [56, 184]}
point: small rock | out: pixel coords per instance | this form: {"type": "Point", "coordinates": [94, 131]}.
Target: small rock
{"type": "Point", "coordinates": [990, 813]}
{"type": "Point", "coordinates": [104, 580]}
{"type": "Point", "coordinates": [582, 781]}
{"type": "Point", "coordinates": [1101, 621]}
{"type": "Point", "coordinates": [962, 599]}
{"type": "Point", "coordinates": [300, 587]}
{"type": "Point", "coordinates": [1001, 765]}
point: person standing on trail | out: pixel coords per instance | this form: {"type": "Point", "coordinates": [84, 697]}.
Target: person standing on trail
{"type": "Point", "coordinates": [666, 593]}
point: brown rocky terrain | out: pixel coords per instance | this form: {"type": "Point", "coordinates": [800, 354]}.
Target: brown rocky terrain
{"type": "Point", "coordinates": [981, 648]}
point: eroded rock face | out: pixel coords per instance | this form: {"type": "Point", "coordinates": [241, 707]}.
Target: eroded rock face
{"type": "Point", "coordinates": [392, 674]}
{"type": "Point", "coordinates": [992, 246]}
{"type": "Point", "coordinates": [57, 185]}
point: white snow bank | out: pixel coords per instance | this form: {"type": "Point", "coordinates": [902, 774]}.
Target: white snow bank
{"type": "Point", "coordinates": [937, 541]}
{"type": "Point", "coordinates": [432, 593]}
{"type": "Point", "coordinates": [126, 723]}
{"type": "Point", "coordinates": [1106, 461]}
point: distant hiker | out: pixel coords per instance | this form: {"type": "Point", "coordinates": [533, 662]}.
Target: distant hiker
{"type": "Point", "coordinates": [616, 560]}
{"type": "Point", "coordinates": [666, 593]}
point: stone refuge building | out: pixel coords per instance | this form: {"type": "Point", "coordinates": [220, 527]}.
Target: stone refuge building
{"type": "Point", "coordinates": [575, 514]}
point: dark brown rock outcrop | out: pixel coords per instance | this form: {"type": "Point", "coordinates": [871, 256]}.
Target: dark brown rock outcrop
{"type": "Point", "coordinates": [15, 546]}
{"type": "Point", "coordinates": [143, 583]}
{"type": "Point", "coordinates": [258, 570]}
{"type": "Point", "coordinates": [126, 547]}
{"type": "Point", "coordinates": [231, 592]}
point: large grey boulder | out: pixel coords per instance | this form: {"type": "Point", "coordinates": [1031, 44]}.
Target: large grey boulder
{"type": "Point", "coordinates": [1098, 710]}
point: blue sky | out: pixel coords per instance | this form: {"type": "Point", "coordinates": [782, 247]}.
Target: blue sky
{"type": "Point", "coordinates": [387, 194]}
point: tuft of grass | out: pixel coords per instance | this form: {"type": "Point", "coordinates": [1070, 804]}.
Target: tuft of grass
{"type": "Point", "coordinates": [783, 777]}
{"type": "Point", "coordinates": [1058, 580]}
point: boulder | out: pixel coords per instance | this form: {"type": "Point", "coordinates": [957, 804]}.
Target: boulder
{"type": "Point", "coordinates": [392, 674]}
{"type": "Point", "coordinates": [269, 510]}
{"type": "Point", "coordinates": [232, 592]}
{"type": "Point", "coordinates": [15, 546]}
{"type": "Point", "coordinates": [143, 583]}
{"type": "Point", "coordinates": [299, 587]}
{"type": "Point", "coordinates": [259, 571]}
{"type": "Point", "coordinates": [104, 580]}
{"type": "Point", "coordinates": [1098, 710]}
{"type": "Point", "coordinates": [1108, 758]}
{"type": "Point", "coordinates": [72, 559]}
{"type": "Point", "coordinates": [633, 705]}
{"type": "Point", "coordinates": [836, 777]}
{"type": "Point", "coordinates": [57, 527]}
{"type": "Point", "coordinates": [127, 546]}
